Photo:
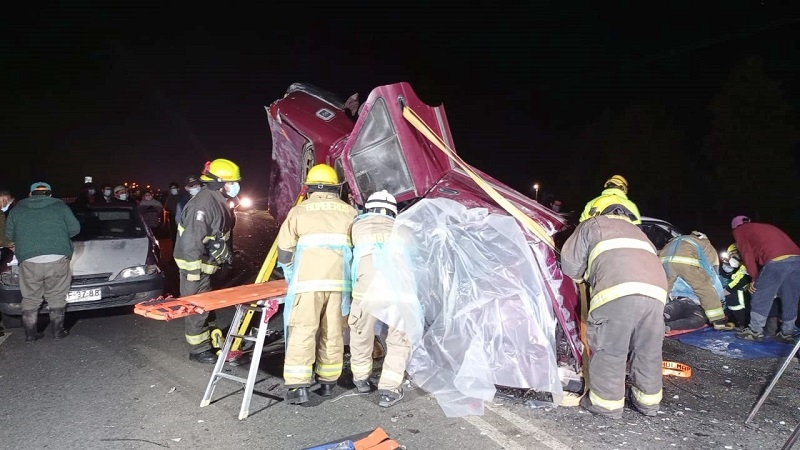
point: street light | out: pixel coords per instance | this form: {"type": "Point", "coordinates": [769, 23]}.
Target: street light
{"type": "Point", "coordinates": [536, 191]}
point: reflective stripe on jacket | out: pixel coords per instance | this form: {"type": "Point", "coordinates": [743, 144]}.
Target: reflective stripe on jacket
{"type": "Point", "coordinates": [615, 257]}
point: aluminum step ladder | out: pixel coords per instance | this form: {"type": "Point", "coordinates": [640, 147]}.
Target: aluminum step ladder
{"type": "Point", "coordinates": [267, 308]}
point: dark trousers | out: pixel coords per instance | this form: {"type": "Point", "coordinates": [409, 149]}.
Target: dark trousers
{"type": "Point", "coordinates": [683, 314]}
{"type": "Point", "coordinates": [196, 326]}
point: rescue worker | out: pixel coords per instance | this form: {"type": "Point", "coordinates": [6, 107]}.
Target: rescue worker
{"type": "Point", "coordinates": [736, 282]}
{"type": "Point", "coordinates": [370, 230]}
{"type": "Point", "coordinates": [314, 252]}
{"type": "Point", "coordinates": [628, 292]}
{"type": "Point", "coordinates": [692, 267]}
{"type": "Point", "coordinates": [202, 247]}
{"type": "Point", "coordinates": [615, 193]}
{"type": "Point", "coordinates": [773, 260]}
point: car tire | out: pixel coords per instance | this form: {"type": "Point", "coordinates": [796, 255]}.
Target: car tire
{"type": "Point", "coordinates": [12, 321]}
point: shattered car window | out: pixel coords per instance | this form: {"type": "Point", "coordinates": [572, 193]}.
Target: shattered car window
{"type": "Point", "coordinates": [376, 156]}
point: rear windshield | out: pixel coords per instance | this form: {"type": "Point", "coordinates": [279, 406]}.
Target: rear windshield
{"type": "Point", "coordinates": [108, 223]}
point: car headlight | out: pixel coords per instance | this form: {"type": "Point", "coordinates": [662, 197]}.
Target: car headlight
{"type": "Point", "coordinates": [10, 278]}
{"type": "Point", "coordinates": [137, 271]}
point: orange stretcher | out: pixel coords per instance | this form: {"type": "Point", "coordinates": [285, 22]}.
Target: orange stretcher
{"type": "Point", "coordinates": [168, 308]}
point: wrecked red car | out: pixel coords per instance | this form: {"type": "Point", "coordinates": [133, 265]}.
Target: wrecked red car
{"type": "Point", "coordinates": [394, 141]}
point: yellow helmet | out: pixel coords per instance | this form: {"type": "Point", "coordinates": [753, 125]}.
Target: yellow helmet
{"type": "Point", "coordinates": [617, 181]}
{"type": "Point", "coordinates": [322, 174]}
{"type": "Point", "coordinates": [732, 248]}
{"type": "Point", "coordinates": [221, 170]}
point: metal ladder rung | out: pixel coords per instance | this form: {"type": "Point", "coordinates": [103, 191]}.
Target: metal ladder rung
{"type": "Point", "coordinates": [267, 311]}
{"type": "Point", "coordinates": [232, 377]}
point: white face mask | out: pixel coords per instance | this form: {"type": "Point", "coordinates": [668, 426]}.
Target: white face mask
{"type": "Point", "coordinates": [91, 191]}
{"type": "Point", "coordinates": [194, 191]}
{"type": "Point", "coordinates": [734, 263]}
{"type": "Point", "coordinates": [123, 196]}
{"type": "Point", "coordinates": [5, 208]}
{"type": "Point", "coordinates": [107, 192]}
{"type": "Point", "coordinates": [726, 268]}
{"type": "Point", "coordinates": [173, 191]}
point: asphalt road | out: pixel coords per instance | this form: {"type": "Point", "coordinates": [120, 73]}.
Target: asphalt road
{"type": "Point", "coordinates": [121, 381]}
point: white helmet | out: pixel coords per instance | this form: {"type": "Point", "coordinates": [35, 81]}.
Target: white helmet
{"type": "Point", "coordinates": [381, 202]}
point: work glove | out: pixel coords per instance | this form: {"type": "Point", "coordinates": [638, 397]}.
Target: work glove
{"type": "Point", "coordinates": [219, 250]}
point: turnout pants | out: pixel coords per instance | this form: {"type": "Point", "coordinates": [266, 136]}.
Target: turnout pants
{"type": "Point", "coordinates": [49, 281]}
{"type": "Point", "coordinates": [314, 312]}
{"type": "Point", "coordinates": [782, 278]}
{"type": "Point", "coordinates": [196, 326]}
{"type": "Point", "coordinates": [698, 279]}
{"type": "Point", "coordinates": [632, 324]}
{"type": "Point", "coordinates": [362, 340]}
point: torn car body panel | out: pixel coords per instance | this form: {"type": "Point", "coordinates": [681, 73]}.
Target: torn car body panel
{"type": "Point", "coordinates": [380, 149]}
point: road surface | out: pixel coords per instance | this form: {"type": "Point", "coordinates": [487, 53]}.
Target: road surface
{"type": "Point", "coordinates": [120, 381]}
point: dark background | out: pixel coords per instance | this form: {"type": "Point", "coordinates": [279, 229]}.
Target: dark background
{"type": "Point", "coordinates": [691, 102]}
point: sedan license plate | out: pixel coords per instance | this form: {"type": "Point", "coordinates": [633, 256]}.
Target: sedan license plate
{"type": "Point", "coordinates": [84, 295]}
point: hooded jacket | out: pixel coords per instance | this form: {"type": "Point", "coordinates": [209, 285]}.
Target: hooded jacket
{"type": "Point", "coordinates": [41, 225]}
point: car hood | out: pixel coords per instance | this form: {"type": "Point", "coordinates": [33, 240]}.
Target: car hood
{"type": "Point", "coordinates": [108, 256]}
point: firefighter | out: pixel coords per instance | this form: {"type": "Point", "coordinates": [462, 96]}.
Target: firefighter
{"type": "Point", "coordinates": [202, 246]}
{"type": "Point", "coordinates": [370, 230]}
{"type": "Point", "coordinates": [736, 282]}
{"type": "Point", "coordinates": [615, 193]}
{"type": "Point", "coordinates": [628, 292]}
{"type": "Point", "coordinates": [314, 252]}
{"type": "Point", "coordinates": [694, 260]}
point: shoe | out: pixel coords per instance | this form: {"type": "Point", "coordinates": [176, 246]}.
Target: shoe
{"type": "Point", "coordinates": [326, 389]}
{"type": "Point", "coordinates": [363, 386]}
{"type": "Point", "coordinates": [57, 324]}
{"type": "Point", "coordinates": [30, 323]}
{"type": "Point", "coordinates": [296, 396]}
{"type": "Point", "coordinates": [749, 335]}
{"type": "Point", "coordinates": [722, 325]}
{"type": "Point", "coordinates": [206, 357]}
{"type": "Point", "coordinates": [785, 338]}
{"type": "Point", "coordinates": [388, 398]}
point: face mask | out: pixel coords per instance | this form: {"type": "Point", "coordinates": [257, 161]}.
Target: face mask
{"type": "Point", "coordinates": [556, 208]}
{"type": "Point", "coordinates": [194, 191]}
{"type": "Point", "coordinates": [107, 192]}
{"type": "Point", "coordinates": [148, 197]}
{"type": "Point", "coordinates": [91, 191]}
{"type": "Point", "coordinates": [726, 268]}
{"type": "Point", "coordinates": [734, 262]}
{"type": "Point", "coordinates": [5, 208]}
{"type": "Point", "coordinates": [173, 191]}
{"type": "Point", "coordinates": [123, 196]}
{"type": "Point", "coordinates": [232, 189]}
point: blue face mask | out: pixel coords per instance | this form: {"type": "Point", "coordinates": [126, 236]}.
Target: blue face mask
{"type": "Point", "coordinates": [233, 189]}
{"type": "Point", "coordinates": [194, 191]}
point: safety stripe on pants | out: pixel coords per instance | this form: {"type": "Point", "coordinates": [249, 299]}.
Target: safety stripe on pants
{"type": "Point", "coordinates": [197, 339]}
{"type": "Point", "coordinates": [646, 399]}
{"type": "Point", "coordinates": [611, 405]}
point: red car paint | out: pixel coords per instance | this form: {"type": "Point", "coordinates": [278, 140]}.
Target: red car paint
{"type": "Point", "coordinates": [310, 126]}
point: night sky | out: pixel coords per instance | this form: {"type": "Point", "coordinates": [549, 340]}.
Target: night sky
{"type": "Point", "coordinates": [134, 93]}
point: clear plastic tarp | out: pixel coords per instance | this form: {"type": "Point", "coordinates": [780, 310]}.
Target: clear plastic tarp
{"type": "Point", "coordinates": [464, 286]}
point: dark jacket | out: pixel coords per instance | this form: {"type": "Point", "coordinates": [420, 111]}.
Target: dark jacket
{"type": "Point", "coordinates": [41, 225]}
{"type": "Point", "coordinates": [206, 215]}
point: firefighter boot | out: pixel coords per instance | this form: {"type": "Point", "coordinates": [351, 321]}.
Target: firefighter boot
{"type": "Point", "coordinates": [296, 396]}
{"type": "Point", "coordinates": [326, 389]}
{"type": "Point", "coordinates": [57, 323]}
{"type": "Point", "coordinates": [30, 322]}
